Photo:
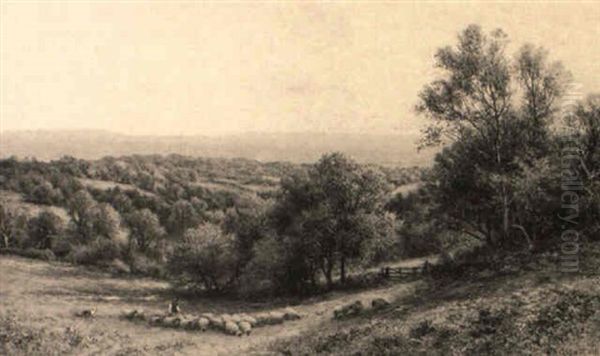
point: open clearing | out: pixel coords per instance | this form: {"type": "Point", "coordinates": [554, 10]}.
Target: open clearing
{"type": "Point", "coordinates": [46, 295]}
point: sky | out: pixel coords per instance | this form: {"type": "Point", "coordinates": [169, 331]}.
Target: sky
{"type": "Point", "coordinates": [189, 68]}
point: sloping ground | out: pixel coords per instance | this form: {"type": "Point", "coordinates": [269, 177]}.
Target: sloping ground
{"type": "Point", "coordinates": [536, 312]}
{"type": "Point", "coordinates": [38, 301]}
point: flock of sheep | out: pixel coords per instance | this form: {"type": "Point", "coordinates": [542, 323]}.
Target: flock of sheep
{"type": "Point", "coordinates": [237, 324]}
{"type": "Point", "coordinates": [231, 324]}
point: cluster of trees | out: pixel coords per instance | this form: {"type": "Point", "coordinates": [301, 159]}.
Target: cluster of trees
{"type": "Point", "coordinates": [510, 142]}
{"type": "Point", "coordinates": [325, 218]}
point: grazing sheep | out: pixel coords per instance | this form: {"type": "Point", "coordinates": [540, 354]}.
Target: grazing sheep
{"type": "Point", "coordinates": [215, 322]}
{"type": "Point", "coordinates": [245, 327]}
{"type": "Point", "coordinates": [87, 313]}
{"type": "Point", "coordinates": [379, 303]}
{"type": "Point", "coordinates": [262, 319]}
{"type": "Point", "coordinates": [232, 328]}
{"type": "Point", "coordinates": [275, 318]}
{"type": "Point", "coordinates": [291, 314]}
{"type": "Point", "coordinates": [173, 322]}
{"type": "Point", "coordinates": [200, 324]}
{"type": "Point", "coordinates": [236, 318]}
{"type": "Point", "coordinates": [247, 318]}
{"type": "Point", "coordinates": [203, 324]}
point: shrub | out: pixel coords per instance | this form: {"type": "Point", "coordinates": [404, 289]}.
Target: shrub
{"type": "Point", "coordinates": [146, 266]}
{"type": "Point", "coordinates": [98, 252]}
{"type": "Point", "coordinates": [43, 228]}
{"type": "Point", "coordinates": [205, 258]}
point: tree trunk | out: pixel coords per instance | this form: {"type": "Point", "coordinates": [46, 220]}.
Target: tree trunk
{"type": "Point", "coordinates": [329, 275]}
{"type": "Point", "coordinates": [505, 216]}
{"type": "Point", "coordinates": [343, 270]}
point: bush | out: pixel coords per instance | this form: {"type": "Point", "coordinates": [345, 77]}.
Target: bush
{"type": "Point", "coordinates": [144, 265]}
{"type": "Point", "coordinates": [205, 258]}
{"type": "Point", "coordinates": [44, 228]}
{"type": "Point", "coordinates": [119, 267]}
{"type": "Point", "coordinates": [98, 252]}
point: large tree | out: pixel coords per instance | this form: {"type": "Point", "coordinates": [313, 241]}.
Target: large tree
{"type": "Point", "coordinates": [493, 113]}
{"type": "Point", "coordinates": [333, 211]}
{"type": "Point", "coordinates": [43, 228]}
{"type": "Point", "coordinates": [144, 229]}
{"type": "Point", "coordinates": [205, 257]}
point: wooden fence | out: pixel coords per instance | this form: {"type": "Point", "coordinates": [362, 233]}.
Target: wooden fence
{"type": "Point", "coordinates": [403, 273]}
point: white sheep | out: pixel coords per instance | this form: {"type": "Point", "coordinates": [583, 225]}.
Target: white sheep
{"type": "Point", "coordinates": [203, 324]}
{"type": "Point", "coordinates": [251, 320]}
{"type": "Point", "coordinates": [275, 318]}
{"type": "Point", "coordinates": [196, 324]}
{"type": "Point", "coordinates": [236, 318]}
{"type": "Point", "coordinates": [232, 328]}
{"type": "Point", "coordinates": [215, 322]}
{"type": "Point", "coordinates": [245, 327]}
{"type": "Point", "coordinates": [262, 319]}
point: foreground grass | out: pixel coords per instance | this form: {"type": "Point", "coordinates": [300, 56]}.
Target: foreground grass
{"type": "Point", "coordinates": [39, 300]}
{"type": "Point", "coordinates": [535, 312]}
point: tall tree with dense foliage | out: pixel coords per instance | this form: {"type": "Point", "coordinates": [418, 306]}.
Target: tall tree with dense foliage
{"type": "Point", "coordinates": [332, 212]}
{"type": "Point", "coordinates": [183, 216]}
{"type": "Point", "coordinates": [144, 229]}
{"type": "Point", "coordinates": [205, 257]}
{"type": "Point", "coordinates": [494, 113]}
{"type": "Point", "coordinates": [43, 228]}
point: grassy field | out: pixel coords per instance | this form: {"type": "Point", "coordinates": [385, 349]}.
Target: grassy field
{"type": "Point", "coordinates": [38, 302]}
{"type": "Point", "coordinates": [529, 312]}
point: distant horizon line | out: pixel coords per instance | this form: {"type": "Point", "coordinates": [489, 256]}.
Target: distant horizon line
{"type": "Point", "coordinates": [211, 134]}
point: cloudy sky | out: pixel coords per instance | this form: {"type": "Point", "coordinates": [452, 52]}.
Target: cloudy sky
{"type": "Point", "coordinates": [191, 68]}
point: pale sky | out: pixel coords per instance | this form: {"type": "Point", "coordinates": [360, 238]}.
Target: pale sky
{"type": "Point", "coordinates": [193, 68]}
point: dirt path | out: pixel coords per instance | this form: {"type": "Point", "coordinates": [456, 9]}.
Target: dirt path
{"type": "Point", "coordinates": [47, 295]}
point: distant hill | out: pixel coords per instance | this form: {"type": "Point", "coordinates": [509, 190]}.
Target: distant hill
{"type": "Point", "coordinates": [390, 149]}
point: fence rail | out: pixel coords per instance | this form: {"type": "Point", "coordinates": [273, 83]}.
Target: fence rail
{"type": "Point", "coordinates": [402, 273]}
